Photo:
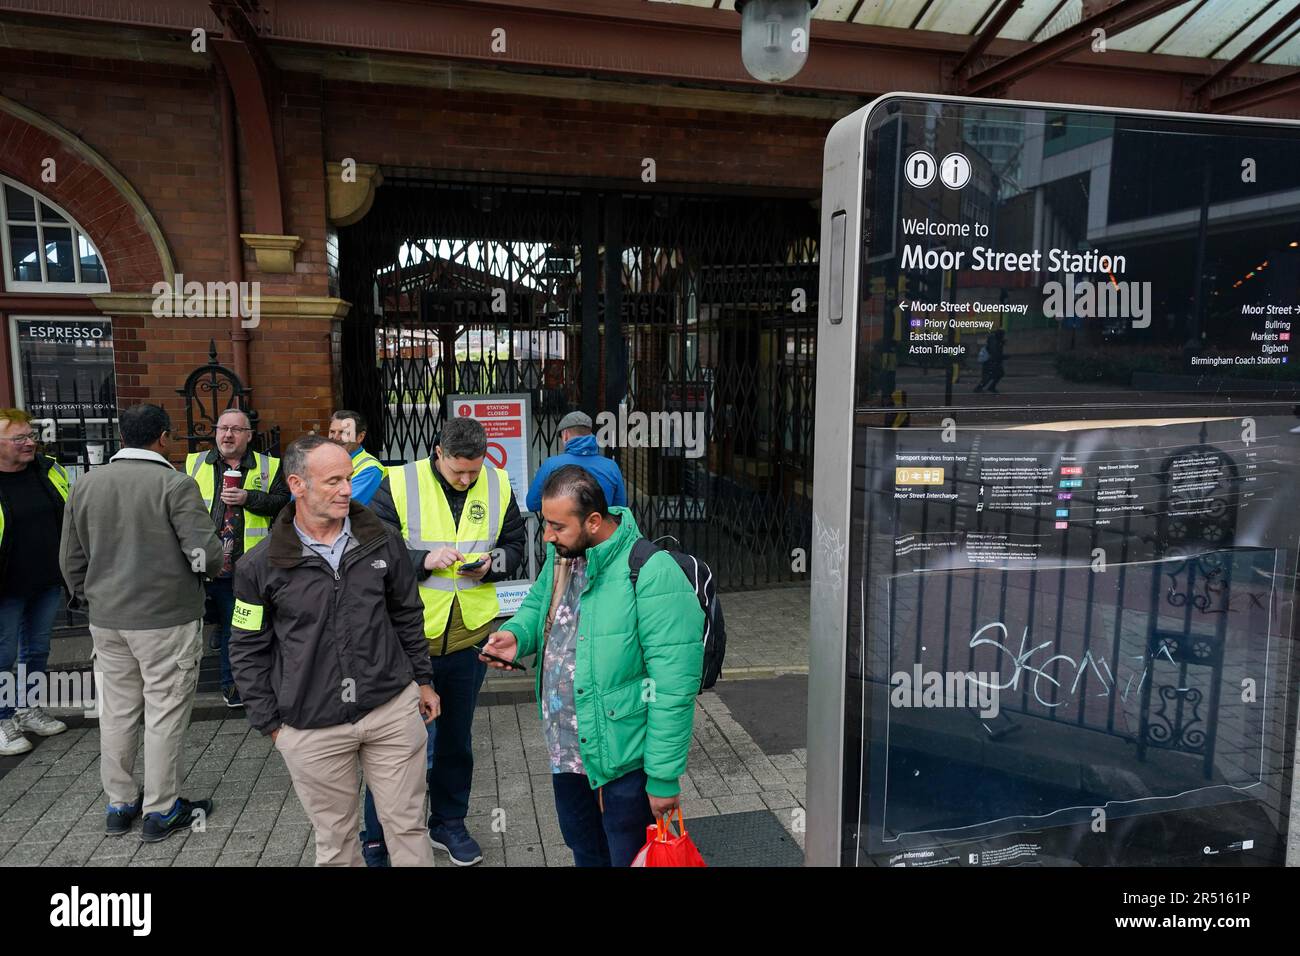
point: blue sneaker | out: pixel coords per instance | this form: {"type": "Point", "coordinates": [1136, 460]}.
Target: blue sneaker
{"type": "Point", "coordinates": [119, 817]}
{"type": "Point", "coordinates": [159, 826]}
{"type": "Point", "coordinates": [374, 852]}
{"type": "Point", "coordinates": [452, 838]}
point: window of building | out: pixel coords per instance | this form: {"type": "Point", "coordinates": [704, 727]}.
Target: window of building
{"type": "Point", "coordinates": [43, 249]}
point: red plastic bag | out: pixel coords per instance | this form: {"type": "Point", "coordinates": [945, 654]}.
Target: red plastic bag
{"type": "Point", "coordinates": [664, 848]}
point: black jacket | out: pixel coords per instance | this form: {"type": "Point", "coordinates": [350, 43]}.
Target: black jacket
{"type": "Point", "coordinates": [512, 540]}
{"type": "Point", "coordinates": [42, 464]}
{"type": "Point", "coordinates": [311, 648]}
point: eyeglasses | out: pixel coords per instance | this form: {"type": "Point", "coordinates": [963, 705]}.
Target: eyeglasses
{"type": "Point", "coordinates": [21, 439]}
{"type": "Point", "coordinates": [232, 428]}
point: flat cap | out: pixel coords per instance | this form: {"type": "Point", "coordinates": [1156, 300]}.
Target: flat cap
{"type": "Point", "coordinates": [575, 420]}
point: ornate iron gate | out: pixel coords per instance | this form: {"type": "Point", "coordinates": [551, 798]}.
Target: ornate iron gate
{"type": "Point", "coordinates": [684, 308]}
{"type": "Point", "coordinates": [209, 392]}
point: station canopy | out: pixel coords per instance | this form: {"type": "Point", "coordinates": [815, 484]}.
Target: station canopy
{"type": "Point", "coordinates": [1207, 29]}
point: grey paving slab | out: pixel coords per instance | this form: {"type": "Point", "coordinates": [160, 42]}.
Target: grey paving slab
{"type": "Point", "coordinates": [557, 854]}
{"type": "Point", "coordinates": [246, 841]}
{"type": "Point", "coordinates": [739, 803]}
{"type": "Point", "coordinates": [291, 839]}
{"type": "Point", "coordinates": [256, 821]}
{"type": "Point", "coordinates": [196, 858]}
{"type": "Point", "coordinates": [163, 850]}
{"type": "Point", "coordinates": [72, 852]}
{"type": "Point", "coordinates": [27, 854]}
{"type": "Point", "coordinates": [527, 855]}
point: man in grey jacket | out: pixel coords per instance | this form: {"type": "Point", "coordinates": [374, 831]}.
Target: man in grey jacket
{"type": "Point", "coordinates": [137, 542]}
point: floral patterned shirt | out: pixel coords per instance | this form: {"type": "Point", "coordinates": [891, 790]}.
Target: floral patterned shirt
{"type": "Point", "coordinates": [559, 661]}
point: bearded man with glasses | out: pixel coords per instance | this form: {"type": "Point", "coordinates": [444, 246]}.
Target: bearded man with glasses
{"type": "Point", "coordinates": [242, 514]}
{"type": "Point", "coordinates": [33, 490]}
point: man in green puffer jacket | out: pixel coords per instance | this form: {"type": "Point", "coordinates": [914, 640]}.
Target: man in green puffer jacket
{"type": "Point", "coordinates": [617, 674]}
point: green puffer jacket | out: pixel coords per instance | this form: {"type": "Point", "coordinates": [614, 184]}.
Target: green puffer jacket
{"type": "Point", "coordinates": [639, 660]}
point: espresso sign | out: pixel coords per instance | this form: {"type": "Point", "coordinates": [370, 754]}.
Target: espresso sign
{"type": "Point", "coordinates": [65, 368]}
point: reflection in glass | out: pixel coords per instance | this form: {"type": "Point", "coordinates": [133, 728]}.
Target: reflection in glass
{"type": "Point", "coordinates": [58, 255]}
{"type": "Point", "coordinates": [19, 205]}
{"type": "Point", "coordinates": [91, 269]}
{"type": "Point", "coordinates": [22, 246]}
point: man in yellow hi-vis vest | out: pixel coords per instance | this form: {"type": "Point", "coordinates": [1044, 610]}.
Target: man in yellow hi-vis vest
{"type": "Point", "coordinates": [452, 511]}
{"type": "Point", "coordinates": [242, 515]}
{"type": "Point", "coordinates": [349, 428]}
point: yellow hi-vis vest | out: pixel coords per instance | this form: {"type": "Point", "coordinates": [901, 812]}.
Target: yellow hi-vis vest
{"type": "Point", "coordinates": [256, 528]}
{"type": "Point", "coordinates": [427, 526]}
{"type": "Point", "coordinates": [58, 479]}
{"type": "Point", "coordinates": [366, 460]}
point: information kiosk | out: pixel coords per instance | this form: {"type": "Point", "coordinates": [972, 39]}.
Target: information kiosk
{"type": "Point", "coordinates": [1057, 497]}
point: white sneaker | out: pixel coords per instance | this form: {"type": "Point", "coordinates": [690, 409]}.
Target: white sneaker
{"type": "Point", "coordinates": [35, 720]}
{"type": "Point", "coordinates": [12, 741]}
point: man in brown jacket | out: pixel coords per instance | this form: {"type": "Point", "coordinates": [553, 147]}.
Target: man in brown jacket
{"type": "Point", "coordinates": [137, 543]}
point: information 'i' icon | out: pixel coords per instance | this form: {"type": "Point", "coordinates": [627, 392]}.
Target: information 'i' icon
{"type": "Point", "coordinates": [955, 170]}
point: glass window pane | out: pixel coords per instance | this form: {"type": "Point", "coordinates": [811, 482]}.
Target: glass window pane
{"type": "Point", "coordinates": [22, 245]}
{"type": "Point", "coordinates": [58, 255]}
{"type": "Point", "coordinates": [49, 215]}
{"type": "Point", "coordinates": [91, 268]}
{"type": "Point", "coordinates": [19, 205]}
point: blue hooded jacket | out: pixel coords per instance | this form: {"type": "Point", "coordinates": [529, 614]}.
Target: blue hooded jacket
{"type": "Point", "coordinates": [582, 451]}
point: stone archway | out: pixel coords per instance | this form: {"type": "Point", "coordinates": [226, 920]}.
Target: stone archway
{"type": "Point", "coordinates": [97, 196]}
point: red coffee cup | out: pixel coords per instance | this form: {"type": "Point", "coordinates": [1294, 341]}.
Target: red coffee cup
{"type": "Point", "coordinates": [231, 478]}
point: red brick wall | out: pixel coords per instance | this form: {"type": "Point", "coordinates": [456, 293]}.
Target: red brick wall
{"type": "Point", "coordinates": [489, 132]}
{"type": "Point", "coordinates": [160, 127]}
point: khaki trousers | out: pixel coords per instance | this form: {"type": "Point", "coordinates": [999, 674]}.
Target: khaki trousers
{"type": "Point", "coordinates": [322, 761]}
{"type": "Point", "coordinates": [150, 673]}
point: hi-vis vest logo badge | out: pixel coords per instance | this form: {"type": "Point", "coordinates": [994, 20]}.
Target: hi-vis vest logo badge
{"type": "Point", "coordinates": [477, 512]}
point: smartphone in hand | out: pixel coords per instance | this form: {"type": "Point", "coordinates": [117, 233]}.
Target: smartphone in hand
{"type": "Point", "coordinates": [501, 660]}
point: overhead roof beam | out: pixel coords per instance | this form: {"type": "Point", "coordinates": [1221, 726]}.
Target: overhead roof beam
{"type": "Point", "coordinates": [1177, 26]}
{"type": "Point", "coordinates": [1245, 26]}
{"type": "Point", "coordinates": [1259, 93]}
{"type": "Point", "coordinates": [1122, 16]}
{"type": "Point", "coordinates": [1279, 44]}
{"type": "Point", "coordinates": [1046, 20]}
{"type": "Point", "coordinates": [987, 35]}
{"type": "Point", "coordinates": [1248, 52]}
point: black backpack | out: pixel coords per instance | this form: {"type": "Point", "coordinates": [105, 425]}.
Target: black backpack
{"type": "Point", "coordinates": [701, 578]}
